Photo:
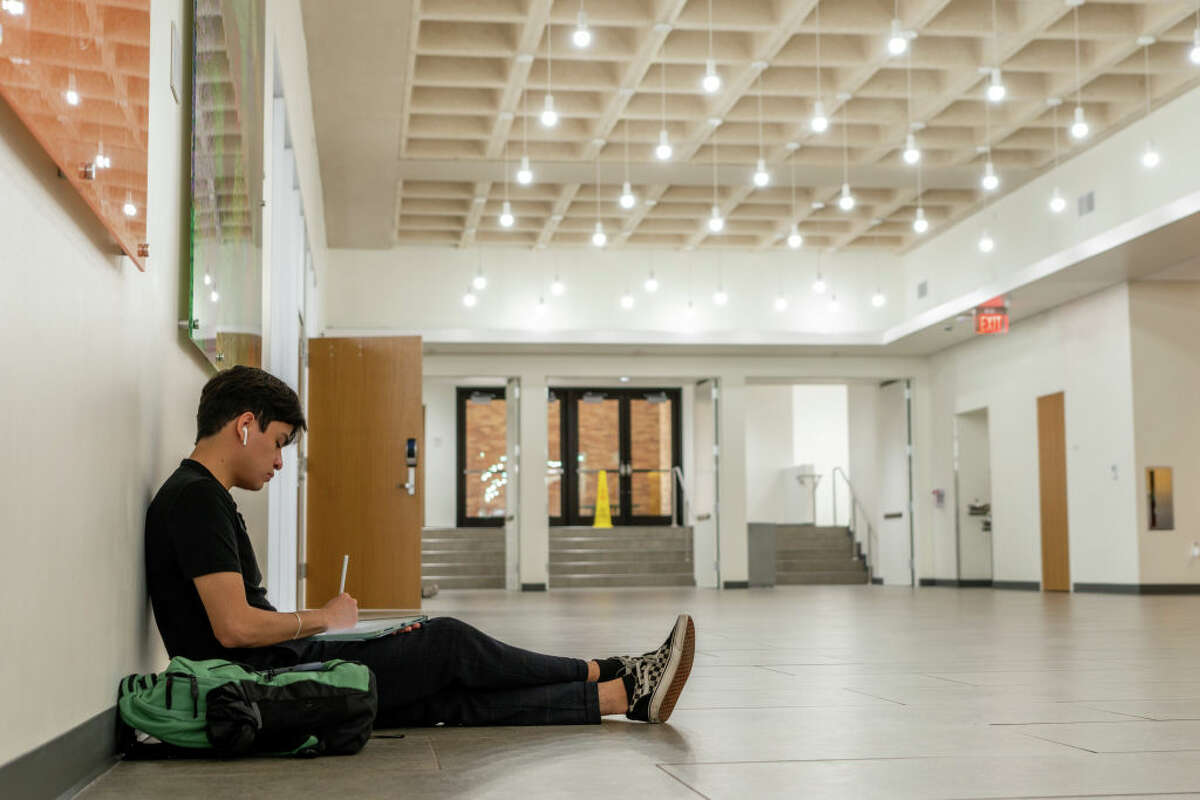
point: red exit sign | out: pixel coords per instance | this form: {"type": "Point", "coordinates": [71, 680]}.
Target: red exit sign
{"type": "Point", "coordinates": [991, 322]}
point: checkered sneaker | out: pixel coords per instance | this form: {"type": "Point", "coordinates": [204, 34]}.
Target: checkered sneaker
{"type": "Point", "coordinates": [658, 676]}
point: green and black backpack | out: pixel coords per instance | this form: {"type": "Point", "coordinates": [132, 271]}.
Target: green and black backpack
{"type": "Point", "coordinates": [218, 708]}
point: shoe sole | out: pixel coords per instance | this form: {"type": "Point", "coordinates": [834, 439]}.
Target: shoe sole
{"type": "Point", "coordinates": [679, 666]}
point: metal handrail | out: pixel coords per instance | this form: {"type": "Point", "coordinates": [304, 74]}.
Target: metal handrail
{"type": "Point", "coordinates": [677, 473]}
{"type": "Point", "coordinates": [855, 503]}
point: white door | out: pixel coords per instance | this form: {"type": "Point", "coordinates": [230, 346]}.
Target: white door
{"type": "Point", "coordinates": [512, 525]}
{"type": "Point", "coordinates": [895, 544]}
{"type": "Point", "coordinates": [702, 486]}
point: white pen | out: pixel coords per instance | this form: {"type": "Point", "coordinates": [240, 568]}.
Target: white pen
{"type": "Point", "coordinates": [345, 564]}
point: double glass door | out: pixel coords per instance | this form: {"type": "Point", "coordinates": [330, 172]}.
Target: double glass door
{"type": "Point", "coordinates": [631, 437]}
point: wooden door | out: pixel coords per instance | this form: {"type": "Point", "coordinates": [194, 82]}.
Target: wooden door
{"type": "Point", "coordinates": [1052, 476]}
{"type": "Point", "coordinates": [364, 405]}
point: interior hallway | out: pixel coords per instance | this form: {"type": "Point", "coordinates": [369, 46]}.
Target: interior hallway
{"type": "Point", "coordinates": [819, 692]}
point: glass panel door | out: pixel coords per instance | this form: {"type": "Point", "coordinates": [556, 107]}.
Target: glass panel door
{"type": "Point", "coordinates": [630, 436]}
{"type": "Point", "coordinates": [597, 449]}
{"type": "Point", "coordinates": [483, 457]}
{"type": "Point", "coordinates": [651, 457]}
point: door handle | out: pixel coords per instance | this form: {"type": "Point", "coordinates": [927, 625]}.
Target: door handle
{"type": "Point", "coordinates": [410, 456]}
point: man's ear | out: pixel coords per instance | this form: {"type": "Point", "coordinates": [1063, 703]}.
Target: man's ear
{"type": "Point", "coordinates": [243, 421]}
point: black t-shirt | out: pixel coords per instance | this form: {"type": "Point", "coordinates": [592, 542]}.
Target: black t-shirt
{"type": "Point", "coordinates": [193, 528]}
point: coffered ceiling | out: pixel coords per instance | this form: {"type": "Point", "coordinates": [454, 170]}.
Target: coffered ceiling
{"type": "Point", "coordinates": [423, 109]}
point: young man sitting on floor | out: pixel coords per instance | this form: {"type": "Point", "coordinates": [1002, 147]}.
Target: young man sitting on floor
{"type": "Point", "coordinates": [208, 600]}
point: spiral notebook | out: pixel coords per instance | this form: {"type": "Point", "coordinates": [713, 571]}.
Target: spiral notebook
{"type": "Point", "coordinates": [370, 629]}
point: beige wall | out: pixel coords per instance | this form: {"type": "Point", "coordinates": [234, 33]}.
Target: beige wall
{"type": "Point", "coordinates": [98, 407]}
{"type": "Point", "coordinates": [1165, 319]}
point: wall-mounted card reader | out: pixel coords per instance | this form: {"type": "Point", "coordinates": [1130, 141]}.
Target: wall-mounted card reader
{"type": "Point", "coordinates": [410, 457]}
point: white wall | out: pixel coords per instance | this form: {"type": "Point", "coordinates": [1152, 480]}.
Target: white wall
{"type": "Point", "coordinates": [441, 452]}
{"type": "Point", "coordinates": [1081, 348]}
{"type": "Point", "coordinates": [862, 451]}
{"type": "Point", "coordinates": [1026, 233]}
{"type": "Point", "coordinates": [1165, 318]}
{"type": "Point", "coordinates": [421, 288]}
{"type": "Point", "coordinates": [769, 451]}
{"type": "Point", "coordinates": [820, 436]}
{"type": "Point", "coordinates": [99, 412]}
{"type": "Point", "coordinates": [974, 486]}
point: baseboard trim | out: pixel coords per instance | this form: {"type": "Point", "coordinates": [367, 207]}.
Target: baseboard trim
{"type": "Point", "coordinates": [737, 584]}
{"type": "Point", "coordinates": [1138, 588]}
{"type": "Point", "coordinates": [533, 587]}
{"type": "Point", "coordinates": [877, 581]}
{"type": "Point", "coordinates": [964, 583]}
{"type": "Point", "coordinates": [64, 765]}
{"type": "Point", "coordinates": [1025, 586]}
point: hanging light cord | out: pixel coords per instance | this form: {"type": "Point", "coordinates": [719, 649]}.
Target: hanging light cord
{"type": "Point", "coordinates": [1054, 123]}
{"type": "Point", "coordinates": [1078, 82]}
{"type": "Point", "coordinates": [627, 151]}
{"type": "Point", "coordinates": [818, 13]}
{"type": "Point", "coordinates": [1146, 61]}
{"type": "Point", "coordinates": [760, 116]}
{"type": "Point", "coordinates": [995, 38]}
{"type": "Point", "coordinates": [845, 147]}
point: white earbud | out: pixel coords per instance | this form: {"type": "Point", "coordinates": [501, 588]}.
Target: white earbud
{"type": "Point", "coordinates": [245, 434]}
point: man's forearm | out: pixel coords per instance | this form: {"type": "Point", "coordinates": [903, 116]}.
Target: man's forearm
{"type": "Point", "coordinates": [263, 628]}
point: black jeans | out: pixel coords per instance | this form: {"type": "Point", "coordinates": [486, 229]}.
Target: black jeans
{"type": "Point", "coordinates": [449, 672]}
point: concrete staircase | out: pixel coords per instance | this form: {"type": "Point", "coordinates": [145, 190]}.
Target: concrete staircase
{"type": "Point", "coordinates": [620, 556]}
{"type": "Point", "coordinates": [463, 558]}
{"type": "Point", "coordinates": [808, 554]}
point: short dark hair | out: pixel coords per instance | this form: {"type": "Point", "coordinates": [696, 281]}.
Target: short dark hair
{"type": "Point", "coordinates": [231, 393]}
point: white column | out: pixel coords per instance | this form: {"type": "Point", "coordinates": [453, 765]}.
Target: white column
{"type": "Point", "coordinates": [533, 514]}
{"type": "Point", "coordinates": [731, 476]}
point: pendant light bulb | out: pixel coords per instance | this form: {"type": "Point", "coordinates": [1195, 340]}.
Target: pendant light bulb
{"type": "Point", "coordinates": [996, 89]}
{"type": "Point", "coordinates": [834, 305]}
{"type": "Point", "coordinates": [1079, 128]}
{"type": "Point", "coordinates": [1058, 203]}
{"type": "Point", "coordinates": [627, 199]}
{"type": "Point", "coordinates": [627, 301]}
{"type": "Point", "coordinates": [846, 201]}
{"type": "Point", "coordinates": [898, 41]}
{"type": "Point", "coordinates": [582, 36]}
{"type": "Point", "coordinates": [663, 151]}
{"type": "Point", "coordinates": [716, 223]}
{"type": "Point", "coordinates": [14, 7]}
{"type": "Point", "coordinates": [761, 176]}
{"type": "Point", "coordinates": [469, 299]}
{"type": "Point", "coordinates": [506, 216]}
{"type": "Point", "coordinates": [214, 296]}
{"type": "Point", "coordinates": [986, 243]}
{"type": "Point", "coordinates": [557, 287]}
{"type": "Point", "coordinates": [207, 279]}
{"type": "Point", "coordinates": [599, 237]}
{"type": "Point", "coordinates": [819, 286]}
{"type": "Point", "coordinates": [720, 297]}
{"type": "Point", "coordinates": [920, 224]}
{"type": "Point", "coordinates": [794, 239]}
{"type": "Point", "coordinates": [479, 282]}
{"type": "Point", "coordinates": [1194, 53]}
{"type": "Point", "coordinates": [549, 116]}
{"type": "Point", "coordinates": [911, 154]}
{"type": "Point", "coordinates": [129, 208]}
{"type": "Point", "coordinates": [1150, 156]}
{"type": "Point", "coordinates": [711, 82]}
{"type": "Point", "coordinates": [819, 122]}
{"type": "Point", "coordinates": [651, 284]}
{"type": "Point", "coordinates": [781, 303]}
{"type": "Point", "coordinates": [72, 93]}
{"type": "Point", "coordinates": [990, 180]}
{"type": "Point", "coordinates": [524, 174]}
{"type": "Point", "coordinates": [879, 299]}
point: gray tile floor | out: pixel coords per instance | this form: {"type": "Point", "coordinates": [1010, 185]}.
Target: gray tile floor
{"type": "Point", "coordinates": [814, 692]}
